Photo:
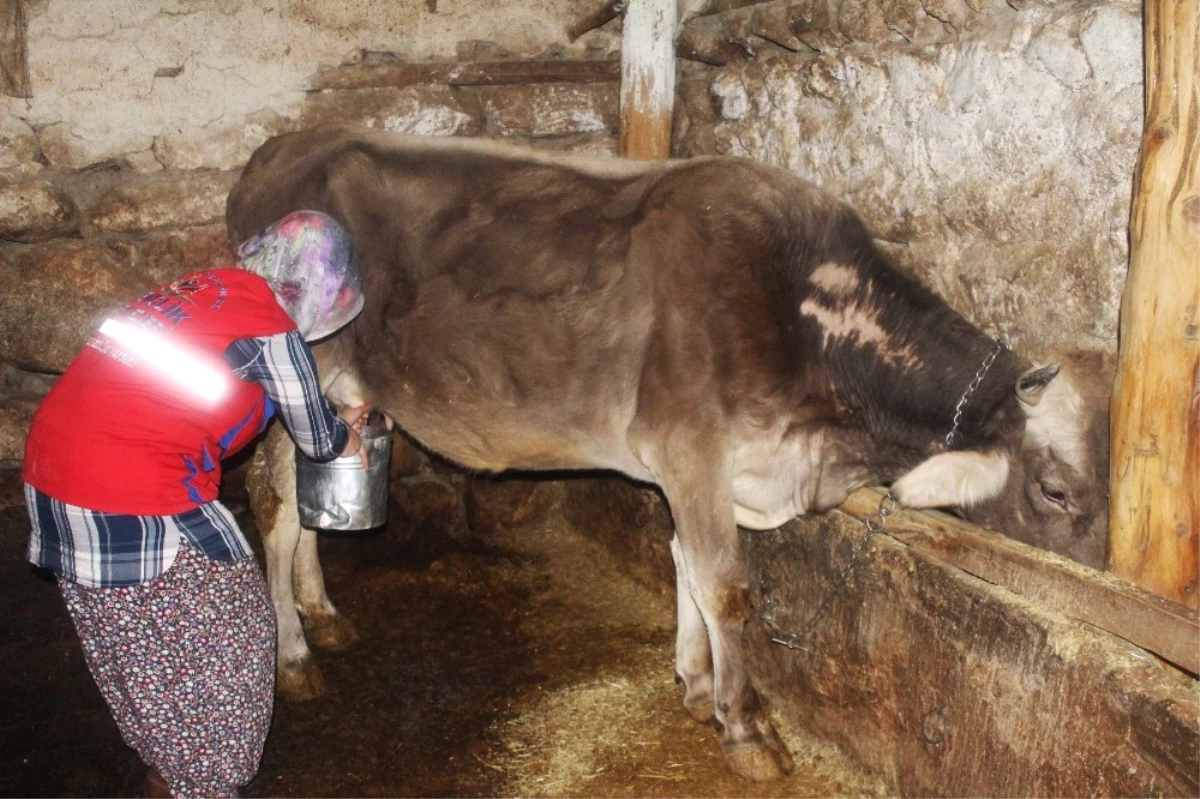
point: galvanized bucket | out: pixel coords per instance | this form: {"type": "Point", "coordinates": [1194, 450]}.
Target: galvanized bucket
{"type": "Point", "coordinates": [341, 494]}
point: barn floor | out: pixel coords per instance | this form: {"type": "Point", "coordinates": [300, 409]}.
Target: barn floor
{"type": "Point", "coordinates": [527, 665]}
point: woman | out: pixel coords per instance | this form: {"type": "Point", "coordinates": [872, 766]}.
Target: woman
{"type": "Point", "coordinates": [122, 471]}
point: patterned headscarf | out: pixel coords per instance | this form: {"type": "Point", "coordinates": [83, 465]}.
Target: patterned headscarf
{"type": "Point", "coordinates": [309, 261]}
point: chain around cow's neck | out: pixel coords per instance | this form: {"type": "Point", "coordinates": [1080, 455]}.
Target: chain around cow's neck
{"type": "Point", "coordinates": [953, 437]}
{"type": "Point", "coordinates": [888, 503]}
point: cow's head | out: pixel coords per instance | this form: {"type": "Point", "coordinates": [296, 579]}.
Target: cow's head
{"type": "Point", "coordinates": [1048, 489]}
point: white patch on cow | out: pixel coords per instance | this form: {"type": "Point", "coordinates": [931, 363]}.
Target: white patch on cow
{"type": "Point", "coordinates": [1056, 422]}
{"type": "Point", "coordinates": [767, 470]}
{"type": "Point", "coordinates": [342, 387]}
{"type": "Point", "coordinates": [953, 479]}
{"type": "Point", "coordinates": [853, 322]}
{"type": "Point", "coordinates": [835, 279]}
{"type": "Point", "coordinates": [848, 321]}
{"type": "Point", "coordinates": [756, 520]}
{"type": "Point", "coordinates": [780, 475]}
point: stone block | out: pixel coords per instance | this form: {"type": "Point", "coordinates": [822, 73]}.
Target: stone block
{"type": "Point", "coordinates": [36, 210]}
{"type": "Point", "coordinates": [172, 254]}
{"type": "Point", "coordinates": [222, 147]}
{"type": "Point", "coordinates": [431, 506]}
{"type": "Point", "coordinates": [20, 394]}
{"type": "Point", "coordinates": [633, 522]}
{"type": "Point", "coordinates": [494, 504]}
{"type": "Point", "coordinates": [18, 142]}
{"type": "Point", "coordinates": [424, 110]}
{"type": "Point", "coordinates": [143, 163]}
{"type": "Point", "coordinates": [69, 152]}
{"type": "Point", "coordinates": [163, 202]}
{"type": "Point", "coordinates": [957, 14]}
{"type": "Point", "coordinates": [12, 495]}
{"type": "Point", "coordinates": [407, 460]}
{"type": "Point", "coordinates": [553, 109]}
{"type": "Point", "coordinates": [920, 22]}
{"type": "Point", "coordinates": [16, 382]}
{"type": "Point", "coordinates": [16, 414]}
{"type": "Point", "coordinates": [52, 295]}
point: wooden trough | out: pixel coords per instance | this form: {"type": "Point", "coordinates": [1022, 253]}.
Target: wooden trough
{"type": "Point", "coordinates": [947, 659]}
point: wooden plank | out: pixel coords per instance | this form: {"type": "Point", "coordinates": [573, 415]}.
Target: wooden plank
{"type": "Point", "coordinates": [647, 79]}
{"type": "Point", "coordinates": [594, 19]}
{"type": "Point", "coordinates": [1154, 498]}
{"type": "Point", "coordinates": [472, 73]}
{"type": "Point", "coordinates": [14, 60]}
{"type": "Point", "coordinates": [1165, 628]}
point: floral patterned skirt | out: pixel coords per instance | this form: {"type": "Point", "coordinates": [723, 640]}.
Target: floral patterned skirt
{"type": "Point", "coordinates": [186, 663]}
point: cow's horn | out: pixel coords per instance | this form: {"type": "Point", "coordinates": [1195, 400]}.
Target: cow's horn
{"type": "Point", "coordinates": [1032, 384]}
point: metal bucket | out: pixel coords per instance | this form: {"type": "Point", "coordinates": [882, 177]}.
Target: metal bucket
{"type": "Point", "coordinates": [341, 494]}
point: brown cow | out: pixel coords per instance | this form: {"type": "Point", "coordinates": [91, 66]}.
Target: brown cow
{"type": "Point", "coordinates": [715, 326]}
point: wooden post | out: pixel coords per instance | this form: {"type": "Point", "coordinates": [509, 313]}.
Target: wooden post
{"type": "Point", "coordinates": [14, 56]}
{"type": "Point", "coordinates": [647, 79]}
{"type": "Point", "coordinates": [1154, 507]}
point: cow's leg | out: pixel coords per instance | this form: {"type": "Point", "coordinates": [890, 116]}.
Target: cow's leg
{"type": "Point", "coordinates": [326, 627]}
{"type": "Point", "coordinates": [693, 655]}
{"type": "Point", "coordinates": [271, 482]}
{"type": "Point", "coordinates": [709, 556]}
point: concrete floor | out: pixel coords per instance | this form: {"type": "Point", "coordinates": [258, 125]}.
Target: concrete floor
{"type": "Point", "coordinates": [526, 664]}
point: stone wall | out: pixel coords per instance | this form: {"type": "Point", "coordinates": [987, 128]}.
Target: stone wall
{"type": "Point", "coordinates": [198, 83]}
{"type": "Point", "coordinates": [990, 145]}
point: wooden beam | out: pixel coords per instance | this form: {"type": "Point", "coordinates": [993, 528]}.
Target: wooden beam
{"type": "Point", "coordinates": [470, 73]}
{"type": "Point", "coordinates": [1167, 629]}
{"type": "Point", "coordinates": [597, 17]}
{"type": "Point", "coordinates": [14, 57]}
{"type": "Point", "coordinates": [647, 79]}
{"type": "Point", "coordinates": [1154, 504]}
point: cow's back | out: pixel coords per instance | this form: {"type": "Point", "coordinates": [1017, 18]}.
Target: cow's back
{"type": "Point", "coordinates": [522, 309]}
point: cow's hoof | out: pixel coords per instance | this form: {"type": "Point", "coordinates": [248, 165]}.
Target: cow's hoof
{"type": "Point", "coordinates": [300, 683]}
{"type": "Point", "coordinates": [758, 761]}
{"type": "Point", "coordinates": [332, 631]}
{"type": "Point", "coordinates": [700, 707]}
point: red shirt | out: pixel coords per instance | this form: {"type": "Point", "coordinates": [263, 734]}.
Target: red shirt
{"type": "Point", "coordinates": [139, 422]}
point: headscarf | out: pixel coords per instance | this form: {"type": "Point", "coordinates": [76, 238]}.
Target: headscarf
{"type": "Point", "coordinates": [308, 259]}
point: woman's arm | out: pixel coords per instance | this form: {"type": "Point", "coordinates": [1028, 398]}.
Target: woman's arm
{"type": "Point", "coordinates": [283, 365]}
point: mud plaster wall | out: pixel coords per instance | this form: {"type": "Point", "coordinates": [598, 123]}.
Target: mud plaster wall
{"type": "Point", "coordinates": [990, 145]}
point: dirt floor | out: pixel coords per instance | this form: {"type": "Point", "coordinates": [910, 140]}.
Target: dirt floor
{"type": "Point", "coordinates": [524, 665]}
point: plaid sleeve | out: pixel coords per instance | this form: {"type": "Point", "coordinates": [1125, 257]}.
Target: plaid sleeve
{"type": "Point", "coordinates": [283, 365]}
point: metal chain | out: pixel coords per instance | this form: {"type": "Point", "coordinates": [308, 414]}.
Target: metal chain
{"type": "Point", "coordinates": [797, 640]}
{"type": "Point", "coordinates": [888, 504]}
{"type": "Point", "coordinates": [953, 437]}
{"type": "Point", "coordinates": [876, 522]}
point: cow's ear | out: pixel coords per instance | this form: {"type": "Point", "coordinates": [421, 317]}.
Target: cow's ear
{"type": "Point", "coordinates": [1032, 384]}
{"type": "Point", "coordinates": [953, 479]}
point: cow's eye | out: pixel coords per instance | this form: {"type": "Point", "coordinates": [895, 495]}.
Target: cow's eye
{"type": "Point", "coordinates": [1054, 496]}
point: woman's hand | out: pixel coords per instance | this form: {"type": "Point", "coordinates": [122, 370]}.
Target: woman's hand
{"type": "Point", "coordinates": [355, 416]}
